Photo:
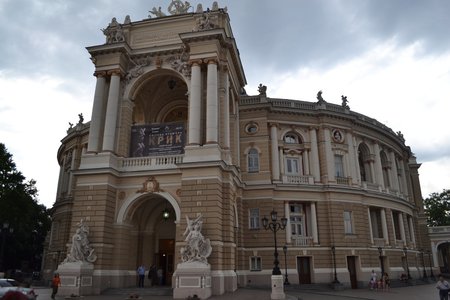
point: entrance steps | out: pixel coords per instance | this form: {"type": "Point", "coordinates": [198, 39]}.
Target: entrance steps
{"type": "Point", "coordinates": [146, 291]}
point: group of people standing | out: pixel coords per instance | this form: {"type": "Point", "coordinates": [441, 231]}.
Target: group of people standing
{"type": "Point", "coordinates": [155, 275]}
{"type": "Point", "coordinates": [382, 282]}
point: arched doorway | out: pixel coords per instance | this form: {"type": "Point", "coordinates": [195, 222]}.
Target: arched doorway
{"type": "Point", "coordinates": [153, 218]}
{"type": "Point", "coordinates": [444, 257]}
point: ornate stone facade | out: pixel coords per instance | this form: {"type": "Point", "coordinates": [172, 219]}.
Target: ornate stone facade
{"type": "Point", "coordinates": [347, 184]}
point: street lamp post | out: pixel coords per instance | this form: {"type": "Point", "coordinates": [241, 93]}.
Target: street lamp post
{"type": "Point", "coordinates": [6, 229]}
{"type": "Point", "coordinates": [431, 269]}
{"type": "Point", "coordinates": [333, 252]}
{"type": "Point", "coordinates": [380, 251]}
{"type": "Point", "coordinates": [405, 251]}
{"type": "Point", "coordinates": [274, 226]}
{"type": "Point", "coordinates": [286, 281]}
{"type": "Point", "coordinates": [423, 264]}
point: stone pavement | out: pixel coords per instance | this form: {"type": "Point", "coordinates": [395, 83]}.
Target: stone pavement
{"type": "Point", "coordinates": [418, 292]}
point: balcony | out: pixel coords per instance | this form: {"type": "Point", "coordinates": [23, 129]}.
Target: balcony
{"type": "Point", "coordinates": [298, 179]}
{"type": "Point", "coordinates": [149, 163]}
{"type": "Point", "coordinates": [302, 241]}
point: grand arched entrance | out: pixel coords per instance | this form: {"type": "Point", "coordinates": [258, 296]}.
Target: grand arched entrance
{"type": "Point", "coordinates": [153, 219]}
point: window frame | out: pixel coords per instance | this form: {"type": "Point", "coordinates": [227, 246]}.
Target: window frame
{"type": "Point", "coordinates": [253, 160]}
{"type": "Point", "coordinates": [349, 228]}
{"type": "Point", "coordinates": [254, 219]}
{"type": "Point", "coordinates": [255, 263]}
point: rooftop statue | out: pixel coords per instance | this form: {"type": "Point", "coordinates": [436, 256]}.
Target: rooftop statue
{"type": "Point", "coordinates": [319, 97]}
{"type": "Point", "coordinates": [114, 32]}
{"type": "Point", "coordinates": [80, 250]}
{"type": "Point", "coordinates": [345, 102]}
{"type": "Point", "coordinates": [262, 89]}
{"type": "Point", "coordinates": [198, 248]}
{"type": "Point", "coordinates": [157, 12]}
{"type": "Point", "coordinates": [177, 7]}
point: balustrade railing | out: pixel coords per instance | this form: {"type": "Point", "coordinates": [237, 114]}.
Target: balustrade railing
{"type": "Point", "coordinates": [302, 241]}
{"type": "Point", "coordinates": [150, 162]}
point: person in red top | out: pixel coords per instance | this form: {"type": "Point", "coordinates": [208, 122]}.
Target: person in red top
{"type": "Point", "coordinates": [56, 282]}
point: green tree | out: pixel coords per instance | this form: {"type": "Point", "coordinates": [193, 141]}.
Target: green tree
{"type": "Point", "coordinates": [437, 206]}
{"type": "Point", "coordinates": [19, 208]}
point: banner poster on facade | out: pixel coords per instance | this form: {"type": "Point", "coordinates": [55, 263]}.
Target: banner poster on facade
{"type": "Point", "coordinates": [157, 139]}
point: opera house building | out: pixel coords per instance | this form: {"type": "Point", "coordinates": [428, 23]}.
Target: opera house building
{"type": "Point", "coordinates": [174, 136]}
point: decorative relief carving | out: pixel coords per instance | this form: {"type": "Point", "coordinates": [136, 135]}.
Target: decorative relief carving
{"type": "Point", "coordinates": [180, 63]}
{"type": "Point", "coordinates": [204, 22]}
{"type": "Point", "coordinates": [138, 68]}
{"type": "Point", "coordinates": [114, 32]}
{"type": "Point", "coordinates": [151, 185]}
{"type": "Point", "coordinates": [337, 136]}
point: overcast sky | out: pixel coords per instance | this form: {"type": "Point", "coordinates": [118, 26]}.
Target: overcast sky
{"type": "Point", "coordinates": [391, 58]}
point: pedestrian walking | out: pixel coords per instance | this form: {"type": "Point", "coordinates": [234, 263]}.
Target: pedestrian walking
{"type": "Point", "coordinates": [141, 275]}
{"type": "Point", "coordinates": [443, 287]}
{"type": "Point", "coordinates": [56, 282]}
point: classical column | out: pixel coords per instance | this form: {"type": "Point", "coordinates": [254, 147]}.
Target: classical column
{"type": "Point", "coordinates": [370, 225]}
{"type": "Point", "coordinates": [329, 154]}
{"type": "Point", "coordinates": [274, 145]}
{"type": "Point", "coordinates": [314, 224]}
{"type": "Point", "coordinates": [315, 165]}
{"type": "Point", "coordinates": [226, 109]}
{"type": "Point", "coordinates": [61, 176]}
{"type": "Point", "coordinates": [353, 158]}
{"type": "Point", "coordinates": [377, 165]}
{"type": "Point", "coordinates": [305, 157]}
{"type": "Point", "coordinates": [411, 231]}
{"type": "Point", "coordinates": [384, 226]}
{"type": "Point", "coordinates": [394, 171]}
{"type": "Point", "coordinates": [404, 184]}
{"type": "Point", "coordinates": [288, 226]}
{"type": "Point", "coordinates": [195, 105]}
{"type": "Point", "coordinates": [212, 112]}
{"type": "Point", "coordinates": [72, 167]}
{"type": "Point", "coordinates": [98, 111]}
{"type": "Point", "coordinates": [112, 109]}
{"type": "Point", "coordinates": [402, 228]}
{"type": "Point", "coordinates": [372, 169]}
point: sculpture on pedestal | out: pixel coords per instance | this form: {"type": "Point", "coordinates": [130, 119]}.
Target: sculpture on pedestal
{"type": "Point", "coordinates": [81, 251]}
{"type": "Point", "coordinates": [198, 248]}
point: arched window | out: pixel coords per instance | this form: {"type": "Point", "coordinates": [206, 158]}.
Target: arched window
{"type": "Point", "coordinates": [253, 160]}
{"type": "Point", "coordinates": [292, 138]}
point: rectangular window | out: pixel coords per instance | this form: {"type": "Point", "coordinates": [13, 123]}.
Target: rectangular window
{"type": "Point", "coordinates": [339, 166]}
{"type": "Point", "coordinates": [255, 263]}
{"type": "Point", "coordinates": [348, 223]}
{"type": "Point", "coordinates": [292, 166]}
{"type": "Point", "coordinates": [254, 218]}
{"type": "Point", "coordinates": [396, 218]}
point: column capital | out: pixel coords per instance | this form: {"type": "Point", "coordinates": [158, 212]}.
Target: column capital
{"type": "Point", "coordinates": [113, 72]}
{"type": "Point", "coordinates": [272, 124]}
{"type": "Point", "coordinates": [195, 62]}
{"type": "Point", "coordinates": [211, 61]}
{"type": "Point", "coordinates": [100, 74]}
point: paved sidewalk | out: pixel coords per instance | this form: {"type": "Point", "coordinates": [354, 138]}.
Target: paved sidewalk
{"type": "Point", "coordinates": [418, 292]}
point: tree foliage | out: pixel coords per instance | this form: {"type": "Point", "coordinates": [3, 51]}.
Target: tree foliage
{"type": "Point", "coordinates": [19, 208]}
{"type": "Point", "coordinates": [437, 206]}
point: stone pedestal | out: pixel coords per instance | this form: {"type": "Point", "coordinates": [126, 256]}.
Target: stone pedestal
{"type": "Point", "coordinates": [277, 287]}
{"type": "Point", "coordinates": [192, 278]}
{"type": "Point", "coordinates": [76, 278]}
